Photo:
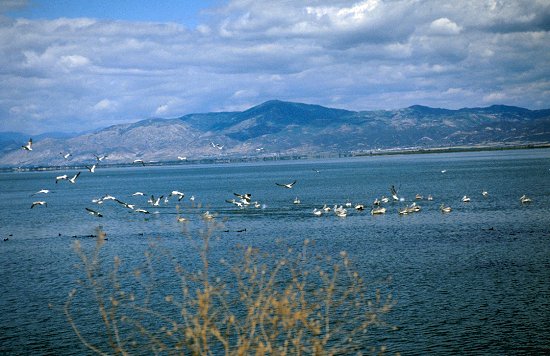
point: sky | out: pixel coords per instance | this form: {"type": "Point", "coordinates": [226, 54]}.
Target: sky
{"type": "Point", "coordinates": [81, 65]}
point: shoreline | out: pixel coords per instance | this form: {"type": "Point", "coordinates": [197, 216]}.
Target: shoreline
{"type": "Point", "coordinates": [244, 159]}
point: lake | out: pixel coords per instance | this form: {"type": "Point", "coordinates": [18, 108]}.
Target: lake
{"type": "Point", "coordinates": [475, 280]}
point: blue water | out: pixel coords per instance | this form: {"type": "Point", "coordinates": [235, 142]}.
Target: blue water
{"type": "Point", "coordinates": [476, 280]}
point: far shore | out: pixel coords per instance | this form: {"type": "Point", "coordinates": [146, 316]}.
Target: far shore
{"type": "Point", "coordinates": [290, 157]}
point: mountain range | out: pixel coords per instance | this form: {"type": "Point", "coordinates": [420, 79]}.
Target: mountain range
{"type": "Point", "coordinates": [277, 128]}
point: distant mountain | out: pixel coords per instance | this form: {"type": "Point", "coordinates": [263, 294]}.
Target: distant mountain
{"type": "Point", "coordinates": [285, 128]}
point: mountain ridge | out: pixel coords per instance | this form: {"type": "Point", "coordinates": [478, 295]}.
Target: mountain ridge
{"type": "Point", "coordinates": [278, 128]}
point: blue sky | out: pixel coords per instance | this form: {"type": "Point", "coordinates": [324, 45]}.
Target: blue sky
{"type": "Point", "coordinates": [81, 65]}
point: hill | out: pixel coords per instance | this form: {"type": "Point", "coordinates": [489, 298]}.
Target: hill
{"type": "Point", "coordinates": [278, 128]}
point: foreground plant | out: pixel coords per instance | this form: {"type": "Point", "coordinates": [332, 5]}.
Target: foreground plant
{"type": "Point", "coordinates": [294, 303]}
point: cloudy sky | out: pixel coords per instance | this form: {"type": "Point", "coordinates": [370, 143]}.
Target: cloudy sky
{"type": "Point", "coordinates": [74, 65]}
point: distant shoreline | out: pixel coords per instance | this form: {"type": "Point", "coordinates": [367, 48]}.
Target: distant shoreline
{"type": "Point", "coordinates": [228, 160]}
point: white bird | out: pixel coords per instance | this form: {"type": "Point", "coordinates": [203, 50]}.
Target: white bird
{"type": "Point", "coordinates": [138, 193]}
{"type": "Point", "coordinates": [73, 179]}
{"type": "Point", "coordinates": [317, 212]}
{"type": "Point", "coordinates": [182, 158]}
{"type": "Point", "coordinates": [143, 211]}
{"type": "Point", "coordinates": [126, 205]}
{"type": "Point", "coordinates": [465, 199]}
{"type": "Point", "coordinates": [91, 168]}
{"type": "Point", "coordinates": [393, 192]}
{"type": "Point", "coordinates": [244, 197]}
{"type": "Point", "coordinates": [444, 171]}
{"type": "Point", "coordinates": [155, 202]}
{"type": "Point", "coordinates": [140, 161]}
{"type": "Point", "coordinates": [41, 202]}
{"type": "Point", "coordinates": [208, 216]}
{"type": "Point", "coordinates": [378, 210]}
{"type": "Point", "coordinates": [28, 146]}
{"type": "Point", "coordinates": [430, 198]}
{"type": "Point", "coordinates": [65, 155]}
{"type": "Point", "coordinates": [94, 213]}
{"type": "Point", "coordinates": [42, 191]}
{"type": "Point", "coordinates": [216, 145]}
{"type": "Point", "coordinates": [100, 158]}
{"type": "Point", "coordinates": [359, 207]}
{"type": "Point", "coordinates": [445, 209]}
{"type": "Point", "coordinates": [296, 201]}
{"type": "Point", "coordinates": [525, 199]}
{"type": "Point", "coordinates": [288, 185]}
{"type": "Point", "coordinates": [326, 208]}
{"type": "Point", "coordinates": [63, 177]}
{"type": "Point", "coordinates": [485, 193]}
{"type": "Point", "coordinates": [179, 194]}
{"type": "Point", "coordinates": [108, 197]}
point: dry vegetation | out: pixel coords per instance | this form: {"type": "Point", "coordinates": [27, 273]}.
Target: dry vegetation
{"type": "Point", "coordinates": [263, 303]}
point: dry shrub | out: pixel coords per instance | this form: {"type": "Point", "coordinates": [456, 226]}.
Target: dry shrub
{"type": "Point", "coordinates": [265, 303]}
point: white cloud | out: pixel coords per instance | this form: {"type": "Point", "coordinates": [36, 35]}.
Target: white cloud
{"type": "Point", "coordinates": [444, 26]}
{"type": "Point", "coordinates": [349, 54]}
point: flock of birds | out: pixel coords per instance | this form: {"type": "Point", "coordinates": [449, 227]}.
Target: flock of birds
{"type": "Point", "coordinates": [245, 200]}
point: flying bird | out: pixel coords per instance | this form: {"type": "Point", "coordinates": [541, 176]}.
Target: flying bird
{"type": "Point", "coordinates": [100, 158]}
{"type": "Point", "coordinates": [39, 203]}
{"type": "Point", "coordinates": [94, 213]}
{"type": "Point", "coordinates": [42, 191]}
{"type": "Point", "coordinates": [216, 145]}
{"type": "Point", "coordinates": [393, 192]}
{"type": "Point", "coordinates": [138, 193]}
{"type": "Point", "coordinates": [28, 146]}
{"type": "Point", "coordinates": [65, 155]}
{"type": "Point", "coordinates": [63, 177]}
{"type": "Point", "coordinates": [182, 158]}
{"type": "Point", "coordinates": [180, 195]}
{"type": "Point", "coordinates": [288, 185]}
{"type": "Point", "coordinates": [92, 168]}
{"type": "Point", "coordinates": [139, 161]}
{"type": "Point", "coordinates": [73, 179]}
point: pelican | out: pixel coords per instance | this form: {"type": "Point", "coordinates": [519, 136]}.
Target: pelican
{"type": "Point", "coordinates": [445, 209]}
{"type": "Point", "coordinates": [525, 199]}
{"type": "Point", "coordinates": [41, 202]}
{"type": "Point", "coordinates": [340, 212]}
{"type": "Point", "coordinates": [143, 211]}
{"type": "Point", "coordinates": [108, 197]}
{"type": "Point", "coordinates": [28, 146]}
{"type": "Point", "coordinates": [235, 202]}
{"type": "Point", "coordinates": [91, 168]}
{"type": "Point", "coordinates": [100, 158]}
{"type": "Point", "coordinates": [140, 161]}
{"type": "Point", "coordinates": [65, 155]}
{"type": "Point", "coordinates": [138, 193]}
{"type": "Point", "coordinates": [73, 179]}
{"type": "Point", "coordinates": [419, 197]}
{"type": "Point", "coordinates": [63, 177]}
{"type": "Point", "coordinates": [359, 207]}
{"type": "Point", "coordinates": [384, 199]}
{"type": "Point", "coordinates": [378, 211]}
{"type": "Point", "coordinates": [326, 208]}
{"type": "Point", "coordinates": [485, 193]}
{"type": "Point", "coordinates": [465, 199]}
{"type": "Point", "coordinates": [208, 216]}
{"type": "Point", "coordinates": [180, 195]}
{"type": "Point", "coordinates": [182, 158]}
{"type": "Point", "coordinates": [192, 198]}
{"type": "Point", "coordinates": [42, 191]}
{"type": "Point", "coordinates": [430, 198]}
{"type": "Point", "coordinates": [216, 145]}
{"type": "Point", "coordinates": [393, 192]}
{"type": "Point", "coordinates": [376, 202]}
{"type": "Point", "coordinates": [181, 219]}
{"type": "Point", "coordinates": [94, 213]}
{"type": "Point", "coordinates": [288, 185]}
{"type": "Point", "coordinates": [444, 171]}
{"type": "Point", "coordinates": [296, 201]}
{"type": "Point", "coordinates": [245, 196]}
{"type": "Point", "coordinates": [155, 202]}
{"type": "Point", "coordinates": [126, 205]}
{"type": "Point", "coordinates": [317, 212]}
